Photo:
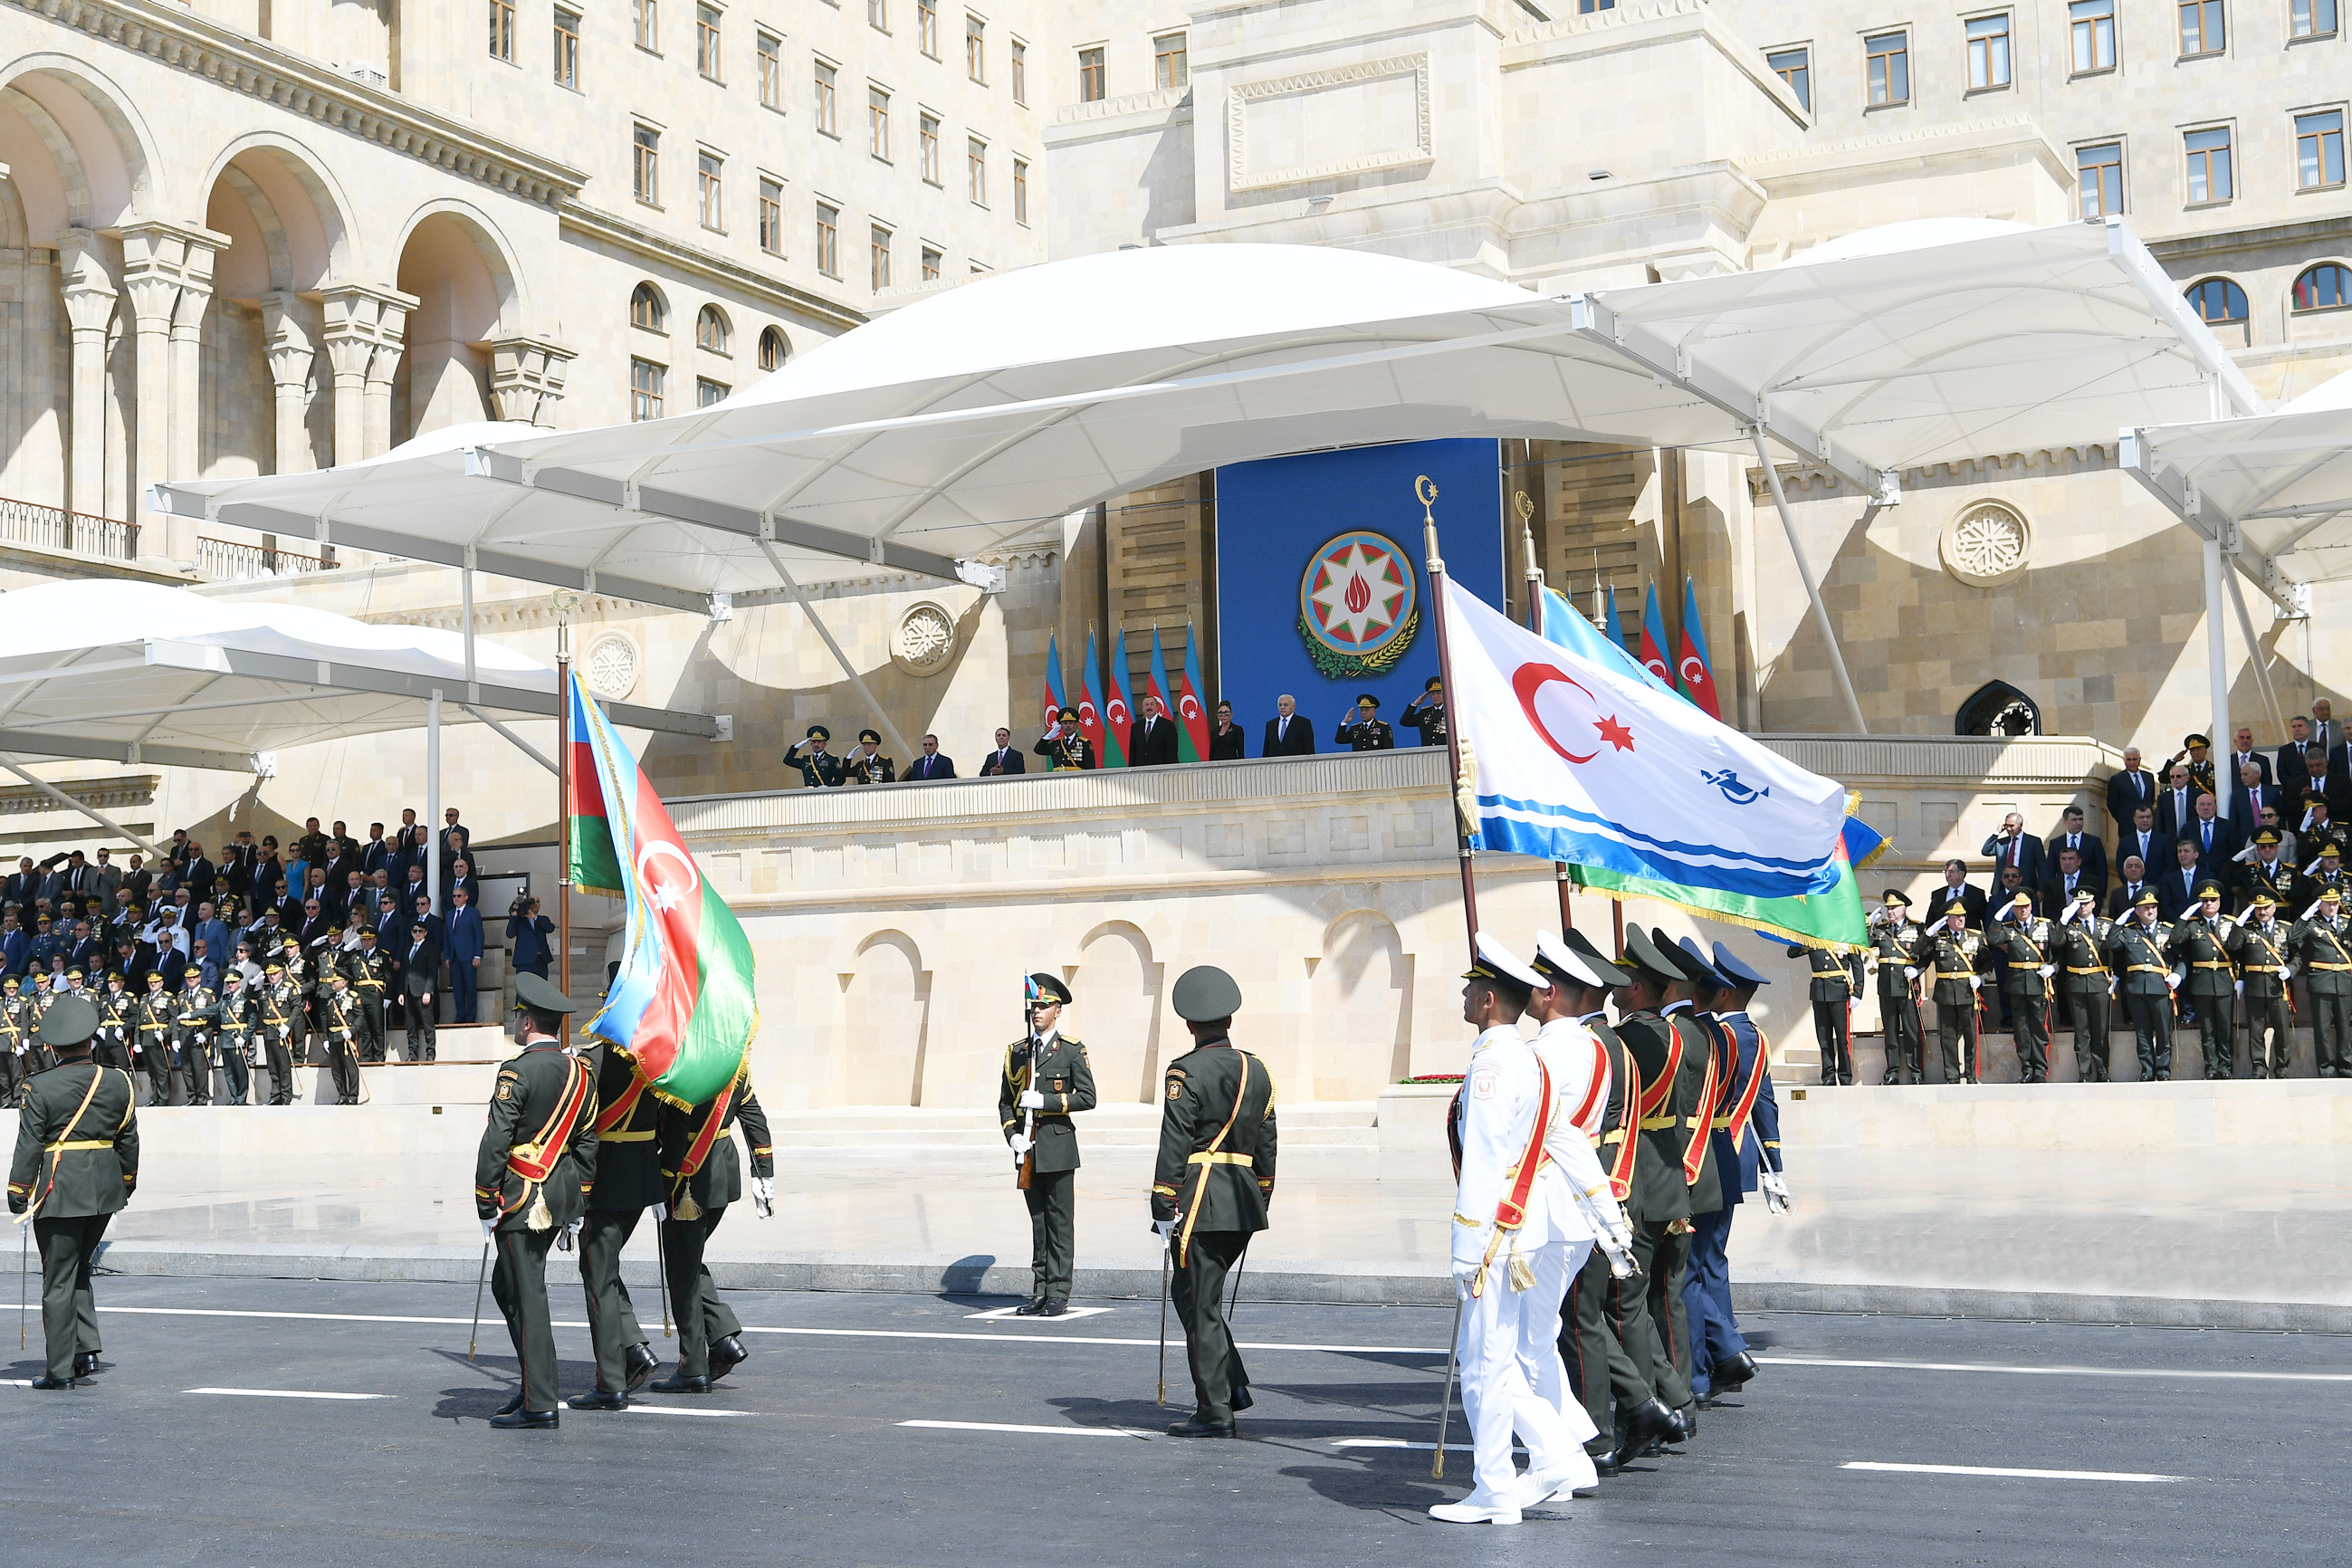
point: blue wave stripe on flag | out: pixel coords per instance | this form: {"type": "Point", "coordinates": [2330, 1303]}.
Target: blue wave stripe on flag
{"type": "Point", "coordinates": [1558, 833]}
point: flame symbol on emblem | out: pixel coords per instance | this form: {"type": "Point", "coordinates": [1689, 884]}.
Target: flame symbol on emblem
{"type": "Point", "coordinates": [1360, 595]}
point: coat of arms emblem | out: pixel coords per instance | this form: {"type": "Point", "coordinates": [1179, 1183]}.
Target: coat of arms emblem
{"type": "Point", "coordinates": [1358, 605]}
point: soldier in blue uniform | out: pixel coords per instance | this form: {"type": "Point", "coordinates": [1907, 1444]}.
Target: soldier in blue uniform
{"type": "Point", "coordinates": [820, 769]}
{"type": "Point", "coordinates": [1746, 1129]}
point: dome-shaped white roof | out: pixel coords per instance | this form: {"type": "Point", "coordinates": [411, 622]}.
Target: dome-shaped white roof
{"type": "Point", "coordinates": [1915, 234]}
{"type": "Point", "coordinates": [1121, 300]}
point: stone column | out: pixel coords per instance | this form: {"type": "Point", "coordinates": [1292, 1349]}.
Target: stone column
{"type": "Point", "coordinates": [90, 296]}
{"type": "Point", "coordinates": [362, 321]}
{"type": "Point", "coordinates": [527, 378]}
{"type": "Point", "coordinates": [188, 410]}
{"type": "Point", "coordinates": [293, 350]}
{"type": "Point", "coordinates": [390, 338]}
{"type": "Point", "coordinates": [162, 262]}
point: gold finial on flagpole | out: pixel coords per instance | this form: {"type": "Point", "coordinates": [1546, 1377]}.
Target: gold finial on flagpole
{"type": "Point", "coordinates": [1424, 490]}
{"type": "Point", "coordinates": [1527, 511]}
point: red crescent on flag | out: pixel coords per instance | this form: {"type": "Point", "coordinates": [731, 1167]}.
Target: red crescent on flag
{"type": "Point", "coordinates": [1532, 678]}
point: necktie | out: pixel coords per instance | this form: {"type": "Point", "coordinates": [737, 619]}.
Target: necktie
{"type": "Point", "coordinates": [2209, 838]}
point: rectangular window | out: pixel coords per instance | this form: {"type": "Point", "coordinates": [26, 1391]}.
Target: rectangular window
{"type": "Point", "coordinates": [976, 169]}
{"type": "Point", "coordinates": [502, 24]}
{"type": "Point", "coordinates": [877, 124]}
{"type": "Point", "coordinates": [2203, 28]}
{"type": "Point", "coordinates": [709, 190]}
{"type": "Point", "coordinates": [975, 49]}
{"type": "Point", "coordinates": [645, 19]}
{"type": "Point", "coordinates": [1587, 7]}
{"type": "Point", "coordinates": [878, 15]}
{"type": "Point", "coordinates": [927, 26]}
{"type": "Point", "coordinates": [646, 178]}
{"type": "Point", "coordinates": [2099, 172]}
{"type": "Point", "coordinates": [1889, 55]}
{"type": "Point", "coordinates": [828, 240]}
{"type": "Point", "coordinates": [828, 102]}
{"type": "Point", "coordinates": [708, 392]}
{"type": "Point", "coordinates": [2208, 165]}
{"type": "Point", "coordinates": [2092, 23]}
{"type": "Point", "coordinates": [1090, 76]}
{"type": "Point", "coordinates": [932, 261]}
{"type": "Point", "coordinates": [1020, 73]}
{"type": "Point", "coordinates": [1989, 51]}
{"type": "Point", "coordinates": [2319, 150]}
{"type": "Point", "coordinates": [772, 217]}
{"type": "Point", "coordinates": [772, 70]}
{"type": "Point", "coordinates": [1168, 60]}
{"type": "Point", "coordinates": [567, 48]}
{"type": "Point", "coordinates": [2311, 19]}
{"type": "Point", "coordinates": [1021, 191]}
{"type": "Point", "coordinates": [705, 41]}
{"type": "Point", "coordinates": [878, 242]}
{"type": "Point", "coordinates": [645, 389]}
{"type": "Point", "coordinates": [927, 138]}
{"type": "Point", "coordinates": [1794, 66]}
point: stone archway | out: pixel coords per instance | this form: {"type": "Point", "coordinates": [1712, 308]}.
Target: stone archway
{"type": "Point", "coordinates": [464, 291]}
{"type": "Point", "coordinates": [1116, 995]}
{"type": "Point", "coordinates": [886, 1009]}
{"type": "Point", "coordinates": [1360, 1014]}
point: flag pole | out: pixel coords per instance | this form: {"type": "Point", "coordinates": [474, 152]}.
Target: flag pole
{"type": "Point", "coordinates": [1426, 492]}
{"type": "Point", "coordinates": [564, 602]}
{"type": "Point", "coordinates": [1527, 511]}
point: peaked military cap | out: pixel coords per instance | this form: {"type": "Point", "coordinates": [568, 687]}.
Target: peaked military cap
{"type": "Point", "coordinates": [2195, 742]}
{"type": "Point", "coordinates": [2329, 852]}
{"type": "Point", "coordinates": [1205, 994]}
{"type": "Point", "coordinates": [540, 995]}
{"type": "Point", "coordinates": [2265, 836]}
{"type": "Point", "coordinates": [1895, 898]}
{"type": "Point", "coordinates": [1047, 988]}
{"type": "Point", "coordinates": [2331, 895]}
{"type": "Point", "coordinates": [2265, 901]}
{"type": "Point", "coordinates": [1609, 972]}
{"type": "Point", "coordinates": [1646, 960]}
{"type": "Point", "coordinates": [70, 1021]}
{"type": "Point", "coordinates": [819, 733]}
{"type": "Point", "coordinates": [273, 968]}
{"type": "Point", "coordinates": [2147, 899]}
{"type": "Point", "coordinates": [2023, 901]}
{"type": "Point", "coordinates": [1492, 962]}
{"type": "Point", "coordinates": [1366, 699]}
{"type": "Point", "coordinates": [2209, 889]}
{"type": "Point", "coordinates": [2084, 895]}
{"type": "Point", "coordinates": [190, 973]}
{"type": "Point", "coordinates": [1560, 965]}
{"type": "Point", "coordinates": [1736, 970]}
{"type": "Point", "coordinates": [1700, 967]}
{"type": "Point", "coordinates": [870, 737]}
{"type": "Point", "coordinates": [1069, 713]}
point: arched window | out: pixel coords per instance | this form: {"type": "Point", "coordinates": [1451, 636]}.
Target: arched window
{"type": "Point", "coordinates": [2217, 301]}
{"type": "Point", "coordinates": [646, 310]}
{"type": "Point", "coordinates": [710, 330]}
{"type": "Point", "coordinates": [1998, 709]}
{"type": "Point", "coordinates": [774, 351]}
{"type": "Point", "coordinates": [2326, 286]}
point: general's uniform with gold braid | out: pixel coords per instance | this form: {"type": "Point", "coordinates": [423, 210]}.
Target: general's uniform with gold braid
{"type": "Point", "coordinates": [2260, 945]}
{"type": "Point", "coordinates": [700, 1176]}
{"type": "Point", "coordinates": [2211, 984]}
{"type": "Point", "coordinates": [2135, 957]}
{"type": "Point", "coordinates": [2323, 949]}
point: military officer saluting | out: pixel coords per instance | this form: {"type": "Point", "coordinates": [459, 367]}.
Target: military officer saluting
{"type": "Point", "coordinates": [1063, 747]}
{"type": "Point", "coordinates": [2261, 945]}
{"type": "Point", "coordinates": [15, 1064]}
{"type": "Point", "coordinates": [820, 769]}
{"type": "Point", "coordinates": [531, 1178]}
{"type": "Point", "coordinates": [1211, 1187]}
{"type": "Point", "coordinates": [2323, 947]}
{"type": "Point", "coordinates": [150, 1041]}
{"type": "Point", "coordinates": [2200, 941]}
{"type": "Point", "coordinates": [77, 1164]}
{"type": "Point", "coordinates": [866, 764]}
{"type": "Point", "coordinates": [1951, 957]}
{"type": "Point", "coordinates": [1893, 934]}
{"type": "Point", "coordinates": [628, 1183]}
{"type": "Point", "coordinates": [194, 1020]}
{"type": "Point", "coordinates": [2078, 946]}
{"type": "Point", "coordinates": [1837, 977]}
{"type": "Point", "coordinates": [240, 1018]}
{"type": "Point", "coordinates": [111, 1048]}
{"type": "Point", "coordinates": [281, 1030]}
{"type": "Point", "coordinates": [2021, 937]}
{"type": "Point", "coordinates": [2143, 978]}
{"type": "Point", "coordinates": [1045, 1080]}
{"type": "Point", "coordinates": [1369, 731]}
{"type": "Point", "coordinates": [340, 1007]}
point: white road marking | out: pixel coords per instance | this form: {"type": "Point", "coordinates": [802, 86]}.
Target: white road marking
{"type": "Point", "coordinates": [682, 1410]}
{"type": "Point", "coordinates": [16, 1381]}
{"type": "Point", "coordinates": [287, 1394]}
{"type": "Point", "coordinates": [1043, 1339]}
{"type": "Point", "coordinates": [2006, 1472]}
{"type": "Point", "coordinates": [1043, 1431]}
{"type": "Point", "coordinates": [1406, 1442]}
{"type": "Point", "coordinates": [2063, 1371]}
{"type": "Point", "coordinates": [1005, 1314]}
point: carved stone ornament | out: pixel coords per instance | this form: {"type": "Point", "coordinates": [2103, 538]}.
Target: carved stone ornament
{"type": "Point", "coordinates": [612, 665]}
{"type": "Point", "coordinates": [925, 639]}
{"type": "Point", "coordinates": [1987, 543]}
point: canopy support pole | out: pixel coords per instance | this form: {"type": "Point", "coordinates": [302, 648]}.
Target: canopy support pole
{"type": "Point", "coordinates": [2217, 665]}
{"type": "Point", "coordinates": [808, 608]}
{"type": "Point", "coordinates": [517, 741]}
{"type": "Point", "coordinates": [70, 803]}
{"type": "Point", "coordinates": [465, 605]}
{"type": "Point", "coordinates": [1813, 589]}
{"type": "Point", "coordinates": [433, 794]}
{"type": "Point", "coordinates": [2254, 653]}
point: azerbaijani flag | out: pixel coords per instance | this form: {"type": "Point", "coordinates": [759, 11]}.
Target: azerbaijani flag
{"type": "Point", "coordinates": [1562, 626]}
{"type": "Point", "coordinates": [683, 1002]}
{"type": "Point", "coordinates": [1090, 720]}
{"type": "Point", "coordinates": [1616, 627]}
{"type": "Point", "coordinates": [1116, 714]}
{"type": "Point", "coordinates": [1052, 696]}
{"type": "Point", "coordinates": [1653, 642]}
{"type": "Point", "coordinates": [1167, 695]}
{"type": "Point", "coordinates": [1698, 677]}
{"type": "Point", "coordinates": [1191, 707]}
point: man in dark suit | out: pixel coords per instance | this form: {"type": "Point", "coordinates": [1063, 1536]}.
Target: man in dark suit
{"type": "Point", "coordinates": [2287, 767]}
{"type": "Point", "coordinates": [2069, 878]}
{"type": "Point", "coordinates": [2325, 732]}
{"type": "Point", "coordinates": [2133, 785]}
{"type": "Point", "coordinates": [1006, 759]}
{"type": "Point", "coordinates": [2251, 791]}
{"type": "Point", "coordinates": [2335, 788]}
{"type": "Point", "coordinates": [1151, 740]}
{"type": "Point", "coordinates": [2175, 808]}
{"type": "Point", "coordinates": [2072, 835]}
{"type": "Point", "coordinates": [1956, 891]}
{"type": "Point", "coordinates": [376, 854]}
{"type": "Point", "coordinates": [2242, 751]}
{"type": "Point", "coordinates": [2134, 875]}
{"type": "Point", "coordinates": [1289, 734]}
{"type": "Point", "coordinates": [2141, 838]}
{"type": "Point", "coordinates": [2176, 889]}
{"type": "Point", "coordinates": [931, 764]}
{"type": "Point", "coordinates": [2013, 847]}
{"type": "Point", "coordinates": [2217, 837]}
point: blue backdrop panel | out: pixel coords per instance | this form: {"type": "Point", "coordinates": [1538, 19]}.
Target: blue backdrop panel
{"type": "Point", "coordinates": [1333, 540]}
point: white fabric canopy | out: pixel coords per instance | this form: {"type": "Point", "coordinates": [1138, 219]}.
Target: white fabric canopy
{"type": "Point", "coordinates": [135, 672]}
{"type": "Point", "coordinates": [974, 421]}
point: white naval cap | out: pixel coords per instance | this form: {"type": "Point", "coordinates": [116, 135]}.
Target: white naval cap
{"type": "Point", "coordinates": [1495, 961]}
{"type": "Point", "coordinates": [1556, 960]}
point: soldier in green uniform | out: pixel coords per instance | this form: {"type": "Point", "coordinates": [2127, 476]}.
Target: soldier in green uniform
{"type": "Point", "coordinates": [2317, 832]}
{"type": "Point", "coordinates": [1837, 977]}
{"type": "Point", "coordinates": [240, 1019]}
{"type": "Point", "coordinates": [309, 996]}
{"type": "Point", "coordinates": [532, 1178]}
{"type": "Point", "coordinates": [2322, 943]}
{"type": "Point", "coordinates": [1065, 749]}
{"type": "Point", "coordinates": [2261, 945]}
{"type": "Point", "coordinates": [13, 1060]}
{"type": "Point", "coordinates": [701, 1176]}
{"type": "Point", "coordinates": [341, 1011]}
{"type": "Point", "coordinates": [1211, 1187]}
{"type": "Point", "coordinates": [1699, 1089]}
{"type": "Point", "coordinates": [151, 1042]}
{"type": "Point", "coordinates": [2267, 873]}
{"type": "Point", "coordinates": [2078, 946]}
{"type": "Point", "coordinates": [2136, 953]}
{"type": "Point", "coordinates": [628, 1183]}
{"type": "Point", "coordinates": [281, 1027]}
{"type": "Point", "coordinates": [1893, 934]}
{"type": "Point", "coordinates": [111, 1045]}
{"type": "Point", "coordinates": [38, 1055]}
{"type": "Point", "coordinates": [77, 1164]}
{"type": "Point", "coordinates": [2021, 937]}
{"type": "Point", "coordinates": [820, 769]}
{"type": "Point", "coordinates": [2326, 871]}
{"type": "Point", "coordinates": [195, 1019]}
{"type": "Point", "coordinates": [1951, 957]}
{"type": "Point", "coordinates": [1369, 731]}
{"type": "Point", "coordinates": [865, 764]}
{"type": "Point", "coordinates": [1046, 1080]}
{"type": "Point", "coordinates": [2200, 940]}
{"type": "Point", "coordinates": [369, 968]}
{"type": "Point", "coordinates": [1426, 712]}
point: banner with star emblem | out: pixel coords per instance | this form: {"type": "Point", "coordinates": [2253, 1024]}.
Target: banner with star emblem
{"type": "Point", "coordinates": [1579, 761]}
{"type": "Point", "coordinates": [683, 1001]}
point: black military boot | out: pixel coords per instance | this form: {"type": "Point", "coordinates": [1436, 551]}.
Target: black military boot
{"type": "Point", "coordinates": [642, 1364]}
{"type": "Point", "coordinates": [726, 1355]}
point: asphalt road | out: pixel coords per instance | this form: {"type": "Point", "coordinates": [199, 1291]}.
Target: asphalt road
{"type": "Point", "coordinates": [193, 1449]}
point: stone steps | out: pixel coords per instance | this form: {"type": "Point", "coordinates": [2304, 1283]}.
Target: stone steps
{"type": "Point", "coordinates": [1798, 1059]}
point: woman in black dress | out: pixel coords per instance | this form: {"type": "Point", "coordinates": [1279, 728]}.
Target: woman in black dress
{"type": "Point", "coordinates": [1225, 739]}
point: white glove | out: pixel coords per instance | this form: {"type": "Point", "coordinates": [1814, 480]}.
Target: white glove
{"type": "Point", "coordinates": [2239, 988]}
{"type": "Point", "coordinates": [1776, 1191]}
{"type": "Point", "coordinates": [490, 1229]}
{"type": "Point", "coordinates": [572, 1231]}
{"type": "Point", "coordinates": [1465, 1275]}
{"type": "Point", "coordinates": [1165, 1227]}
{"type": "Point", "coordinates": [1030, 1100]}
{"type": "Point", "coordinates": [1910, 973]}
{"type": "Point", "coordinates": [765, 1190]}
{"type": "Point", "coordinates": [2048, 970]}
{"type": "Point", "coordinates": [2172, 983]}
{"type": "Point", "coordinates": [2286, 974]}
{"type": "Point", "coordinates": [1976, 982]}
{"type": "Point", "coordinates": [1022, 1145]}
{"type": "Point", "coordinates": [661, 1213]}
{"type": "Point", "coordinates": [1620, 1256]}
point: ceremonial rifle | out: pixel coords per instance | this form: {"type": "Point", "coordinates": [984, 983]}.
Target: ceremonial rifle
{"type": "Point", "coordinates": [1024, 1165]}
